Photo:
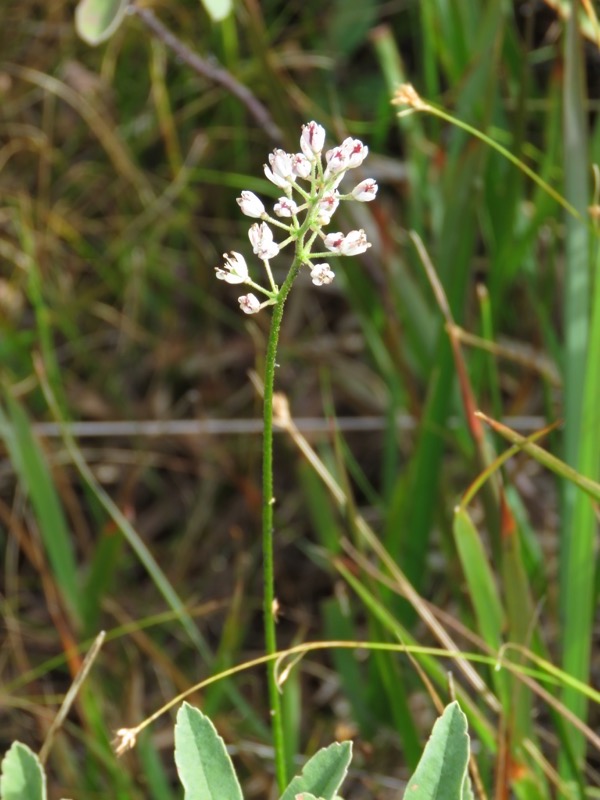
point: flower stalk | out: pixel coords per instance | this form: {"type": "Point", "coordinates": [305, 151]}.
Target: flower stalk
{"type": "Point", "coordinates": [269, 599]}
{"type": "Point", "coordinates": [302, 221]}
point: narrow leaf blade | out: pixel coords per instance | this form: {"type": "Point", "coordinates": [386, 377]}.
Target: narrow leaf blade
{"type": "Point", "coordinates": [33, 470]}
{"type": "Point", "coordinates": [482, 586]}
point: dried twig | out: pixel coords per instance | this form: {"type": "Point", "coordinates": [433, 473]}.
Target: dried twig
{"type": "Point", "coordinates": [210, 70]}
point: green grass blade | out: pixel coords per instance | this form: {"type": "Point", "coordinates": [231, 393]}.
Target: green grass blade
{"type": "Point", "coordinates": [480, 580]}
{"type": "Point", "coordinates": [339, 626]}
{"type": "Point", "coordinates": [155, 775]}
{"type": "Point", "coordinates": [581, 382]}
{"type": "Point", "coordinates": [34, 473]}
{"type": "Point", "coordinates": [100, 576]}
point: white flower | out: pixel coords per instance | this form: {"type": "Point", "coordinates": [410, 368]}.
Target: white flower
{"type": "Point", "coordinates": [351, 245]}
{"type": "Point", "coordinates": [365, 191]}
{"type": "Point", "coordinates": [354, 243]}
{"type": "Point", "coordinates": [312, 140]}
{"type": "Point", "coordinates": [261, 238]}
{"type": "Point", "coordinates": [303, 215]}
{"type": "Point", "coordinates": [356, 152]}
{"type": "Point", "coordinates": [321, 273]}
{"type": "Point", "coordinates": [280, 173]}
{"type": "Point", "coordinates": [327, 207]}
{"type": "Point", "coordinates": [285, 207]}
{"type": "Point", "coordinates": [348, 155]}
{"type": "Point", "coordinates": [334, 241]}
{"type": "Point", "coordinates": [301, 165]}
{"type": "Point", "coordinates": [235, 269]}
{"type": "Point", "coordinates": [337, 161]}
{"type": "Point", "coordinates": [251, 205]}
{"type": "Point", "coordinates": [249, 303]}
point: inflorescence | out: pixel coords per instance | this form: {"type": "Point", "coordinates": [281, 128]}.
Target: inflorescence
{"type": "Point", "coordinates": [312, 209]}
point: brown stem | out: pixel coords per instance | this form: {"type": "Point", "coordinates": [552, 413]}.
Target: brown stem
{"type": "Point", "coordinates": [210, 70]}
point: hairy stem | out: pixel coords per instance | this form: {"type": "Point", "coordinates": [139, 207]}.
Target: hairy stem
{"type": "Point", "coordinates": [269, 606]}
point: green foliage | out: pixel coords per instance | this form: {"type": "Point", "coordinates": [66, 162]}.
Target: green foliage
{"type": "Point", "coordinates": [205, 766]}
{"type": "Point", "coordinates": [119, 175]}
{"type": "Point", "coordinates": [207, 773]}
{"type": "Point", "coordinates": [206, 770]}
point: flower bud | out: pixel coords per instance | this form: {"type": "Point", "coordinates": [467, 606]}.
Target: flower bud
{"type": "Point", "coordinates": [337, 162]}
{"type": "Point", "coordinates": [249, 303]}
{"type": "Point", "coordinates": [280, 173]}
{"type": "Point", "coordinates": [356, 152]}
{"type": "Point", "coordinates": [312, 140]}
{"type": "Point", "coordinates": [365, 191]}
{"type": "Point", "coordinates": [301, 165]}
{"type": "Point", "coordinates": [285, 207]}
{"type": "Point", "coordinates": [251, 205]}
{"type": "Point", "coordinates": [327, 207]}
{"type": "Point", "coordinates": [261, 239]}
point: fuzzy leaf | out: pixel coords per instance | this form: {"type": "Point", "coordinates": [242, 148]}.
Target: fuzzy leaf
{"type": "Point", "coordinates": [323, 773]}
{"type": "Point", "coordinates": [22, 775]}
{"type": "Point", "coordinates": [441, 773]}
{"type": "Point", "coordinates": [203, 763]}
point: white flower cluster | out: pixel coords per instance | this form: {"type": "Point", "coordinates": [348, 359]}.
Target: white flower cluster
{"type": "Point", "coordinates": [314, 207]}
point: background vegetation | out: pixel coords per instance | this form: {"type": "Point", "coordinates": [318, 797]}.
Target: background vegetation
{"type": "Point", "coordinates": [119, 169]}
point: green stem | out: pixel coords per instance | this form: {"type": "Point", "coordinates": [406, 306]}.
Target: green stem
{"type": "Point", "coordinates": [569, 208]}
{"type": "Point", "coordinates": [267, 528]}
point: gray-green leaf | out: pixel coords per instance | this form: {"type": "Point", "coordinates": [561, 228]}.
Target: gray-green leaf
{"type": "Point", "coordinates": [22, 775]}
{"type": "Point", "coordinates": [203, 763]}
{"type": "Point", "coordinates": [323, 773]}
{"type": "Point", "coordinates": [442, 774]}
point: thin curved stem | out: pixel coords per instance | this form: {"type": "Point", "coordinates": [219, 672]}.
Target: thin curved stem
{"type": "Point", "coordinates": [269, 607]}
{"type": "Point", "coordinates": [210, 70]}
